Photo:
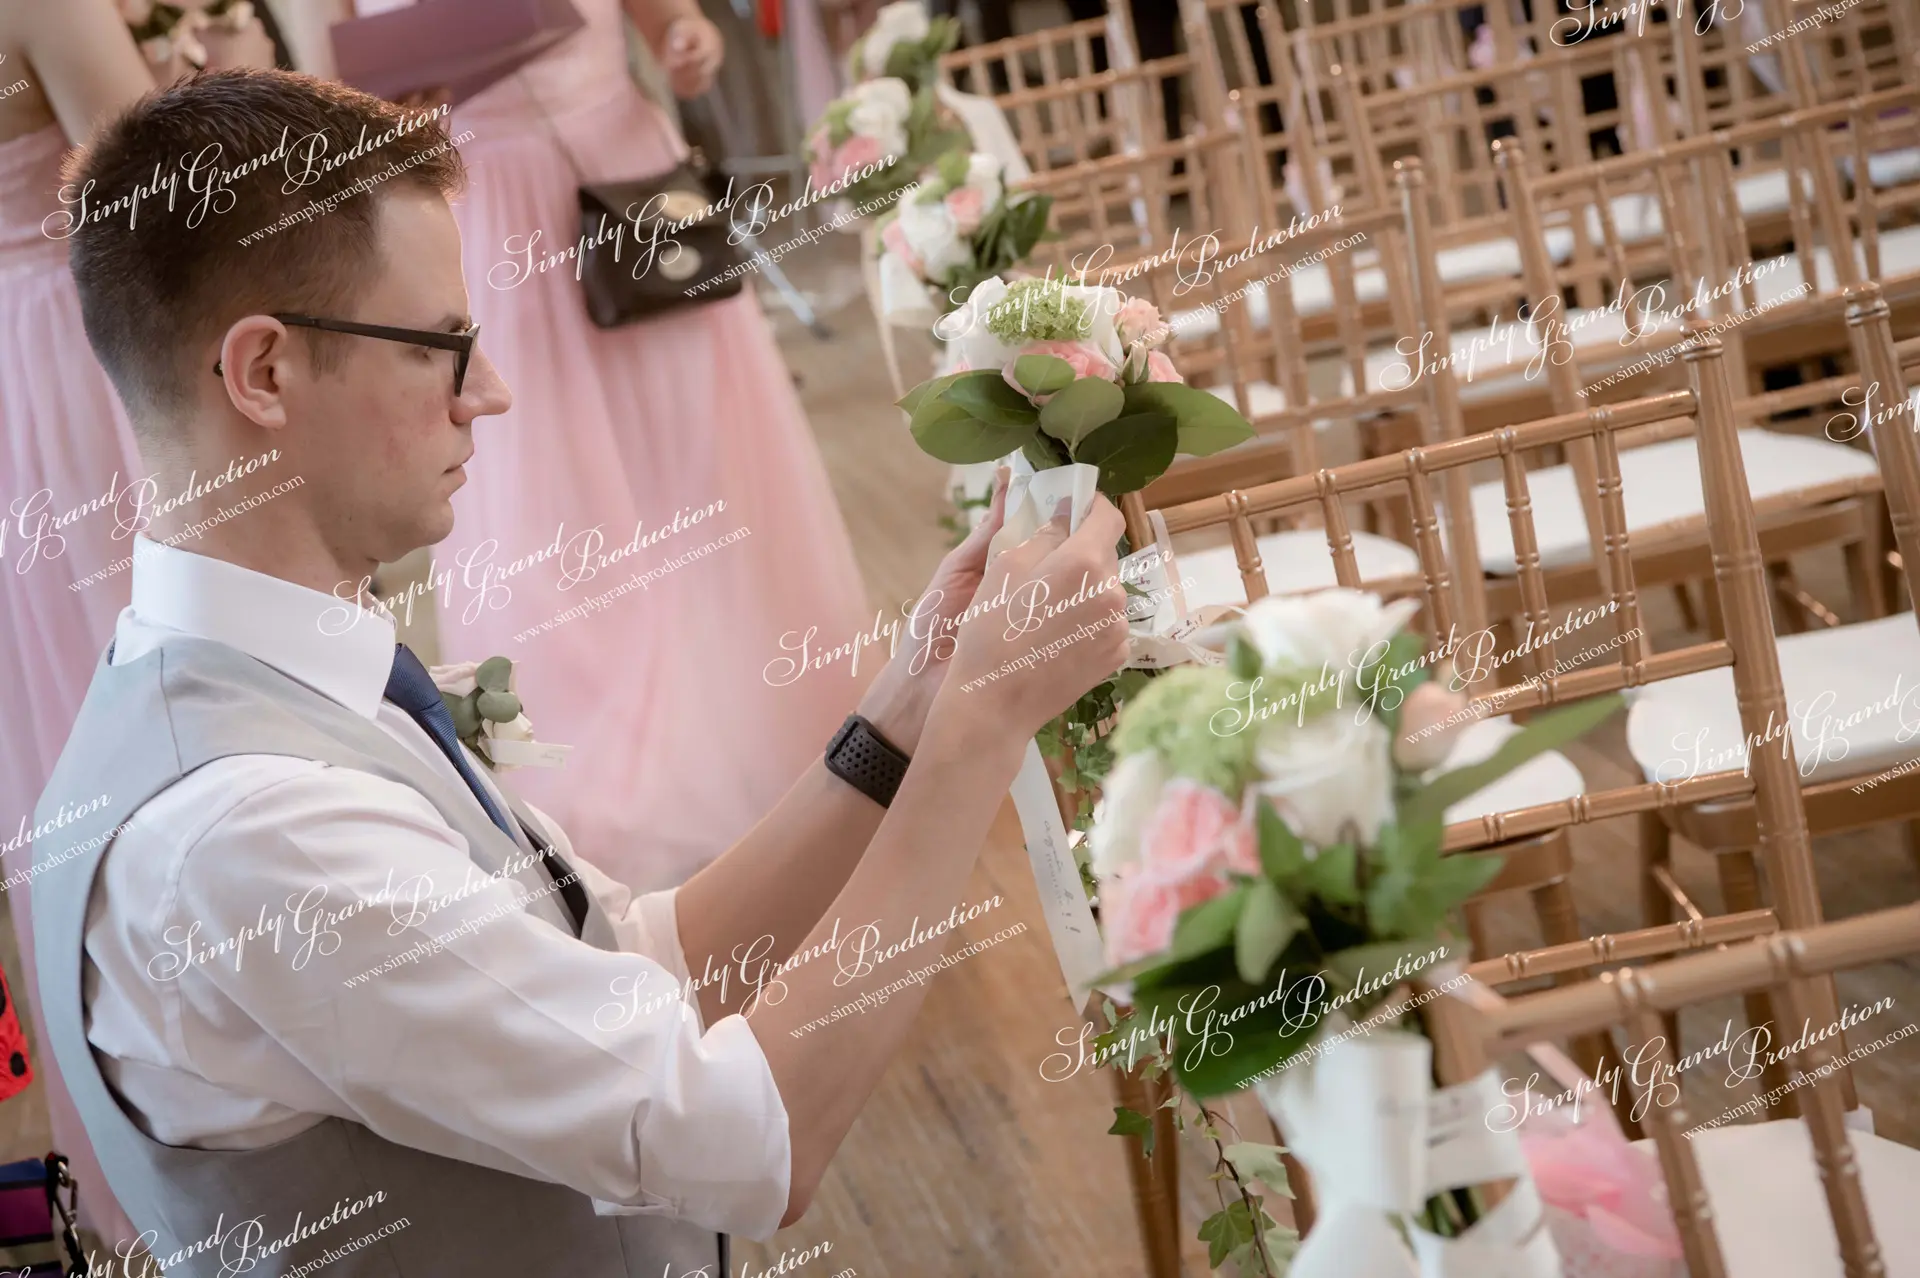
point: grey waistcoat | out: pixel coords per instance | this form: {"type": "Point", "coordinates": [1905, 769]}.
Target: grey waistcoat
{"type": "Point", "coordinates": [143, 726]}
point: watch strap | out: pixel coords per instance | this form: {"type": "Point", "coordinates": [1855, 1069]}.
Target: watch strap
{"type": "Point", "coordinates": [867, 761]}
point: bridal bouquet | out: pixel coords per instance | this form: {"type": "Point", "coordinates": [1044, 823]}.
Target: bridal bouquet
{"type": "Point", "coordinates": [903, 43]}
{"type": "Point", "coordinates": [1064, 374]}
{"type": "Point", "coordinates": [875, 138]}
{"type": "Point", "coordinates": [959, 227]}
{"type": "Point", "coordinates": [1267, 854]}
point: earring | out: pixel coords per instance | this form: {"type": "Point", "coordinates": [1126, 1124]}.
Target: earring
{"type": "Point", "coordinates": [216, 369]}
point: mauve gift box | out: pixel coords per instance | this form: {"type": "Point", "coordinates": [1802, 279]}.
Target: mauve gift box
{"type": "Point", "coordinates": [461, 45]}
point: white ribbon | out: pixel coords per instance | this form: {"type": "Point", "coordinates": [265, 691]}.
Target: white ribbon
{"type": "Point", "coordinates": [905, 299]}
{"type": "Point", "coordinates": [870, 275]}
{"type": "Point", "coordinates": [1380, 1140]}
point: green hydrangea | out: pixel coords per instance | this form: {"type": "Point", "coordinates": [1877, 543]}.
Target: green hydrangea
{"type": "Point", "coordinates": [1037, 311]}
{"type": "Point", "coordinates": [1175, 715]}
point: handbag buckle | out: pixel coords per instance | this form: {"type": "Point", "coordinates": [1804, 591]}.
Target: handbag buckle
{"type": "Point", "coordinates": [59, 1178]}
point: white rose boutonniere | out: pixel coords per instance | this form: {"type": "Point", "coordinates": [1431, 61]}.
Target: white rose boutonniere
{"type": "Point", "coordinates": [488, 717]}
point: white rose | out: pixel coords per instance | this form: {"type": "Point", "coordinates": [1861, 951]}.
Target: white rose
{"type": "Point", "coordinates": [1127, 799]}
{"type": "Point", "coordinates": [880, 110]}
{"type": "Point", "coordinates": [983, 175]}
{"type": "Point", "coordinates": [902, 23]}
{"type": "Point", "coordinates": [1333, 628]}
{"type": "Point", "coordinates": [966, 329]}
{"type": "Point", "coordinates": [458, 677]}
{"type": "Point", "coordinates": [1330, 779]}
{"type": "Point", "coordinates": [935, 238]}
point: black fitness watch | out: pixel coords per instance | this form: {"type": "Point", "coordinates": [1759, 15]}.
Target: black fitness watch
{"type": "Point", "coordinates": [865, 760]}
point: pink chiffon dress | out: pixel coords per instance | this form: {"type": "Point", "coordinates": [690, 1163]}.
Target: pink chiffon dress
{"type": "Point", "coordinates": [681, 739]}
{"type": "Point", "coordinates": [64, 442]}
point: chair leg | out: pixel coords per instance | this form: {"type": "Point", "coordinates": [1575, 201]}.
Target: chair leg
{"type": "Point", "coordinates": [1151, 1208]}
{"type": "Point", "coordinates": [1560, 925]}
{"type": "Point", "coordinates": [1740, 886]}
{"type": "Point", "coordinates": [1781, 583]}
{"type": "Point", "coordinates": [1864, 559]}
{"type": "Point", "coordinates": [1912, 834]}
{"type": "Point", "coordinates": [1656, 849]}
{"type": "Point", "coordinates": [1683, 599]}
{"type": "Point", "coordinates": [1476, 931]}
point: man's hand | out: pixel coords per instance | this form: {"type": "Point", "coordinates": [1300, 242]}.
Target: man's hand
{"type": "Point", "coordinates": [1061, 630]}
{"type": "Point", "coordinates": [693, 53]}
{"type": "Point", "coordinates": [903, 692]}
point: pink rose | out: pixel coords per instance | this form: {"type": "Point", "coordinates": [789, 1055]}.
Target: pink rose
{"type": "Point", "coordinates": [1086, 361]}
{"type": "Point", "coordinates": [1161, 369]}
{"type": "Point", "coordinates": [967, 205]}
{"type": "Point", "coordinates": [1193, 831]}
{"type": "Point", "coordinates": [1430, 722]}
{"type": "Point", "coordinates": [1139, 912]}
{"type": "Point", "coordinates": [855, 152]}
{"type": "Point", "coordinates": [1137, 320]}
{"type": "Point", "coordinates": [894, 236]}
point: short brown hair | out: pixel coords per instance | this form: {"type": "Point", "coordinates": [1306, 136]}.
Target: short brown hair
{"type": "Point", "coordinates": [165, 212]}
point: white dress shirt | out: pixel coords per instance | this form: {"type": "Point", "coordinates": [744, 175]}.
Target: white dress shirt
{"type": "Point", "coordinates": [508, 1048]}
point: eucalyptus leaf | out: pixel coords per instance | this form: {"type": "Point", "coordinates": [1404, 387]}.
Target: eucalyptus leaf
{"type": "Point", "coordinates": [1044, 451]}
{"type": "Point", "coordinates": [1207, 423]}
{"type": "Point", "coordinates": [984, 394]}
{"type": "Point", "coordinates": [1267, 926]}
{"type": "Point", "coordinates": [1081, 408]}
{"type": "Point", "coordinates": [1243, 658]}
{"type": "Point", "coordinates": [924, 391]}
{"type": "Point", "coordinates": [1043, 375]}
{"type": "Point", "coordinates": [953, 165]}
{"type": "Point", "coordinates": [1547, 732]}
{"type": "Point", "coordinates": [466, 716]}
{"type": "Point", "coordinates": [1282, 855]}
{"type": "Point", "coordinates": [1131, 451]}
{"type": "Point", "coordinates": [948, 432]}
{"type": "Point", "coordinates": [500, 707]}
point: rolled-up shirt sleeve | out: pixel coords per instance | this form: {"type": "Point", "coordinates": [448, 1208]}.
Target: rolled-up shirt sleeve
{"type": "Point", "coordinates": [411, 993]}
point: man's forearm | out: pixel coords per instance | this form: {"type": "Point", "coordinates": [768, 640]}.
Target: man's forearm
{"type": "Point", "coordinates": [782, 876]}
{"type": "Point", "coordinates": [917, 867]}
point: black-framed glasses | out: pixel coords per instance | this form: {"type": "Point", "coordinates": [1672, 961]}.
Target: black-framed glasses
{"type": "Point", "coordinates": [461, 343]}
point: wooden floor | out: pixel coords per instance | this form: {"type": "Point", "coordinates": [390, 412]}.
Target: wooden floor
{"type": "Point", "coordinates": [966, 1163]}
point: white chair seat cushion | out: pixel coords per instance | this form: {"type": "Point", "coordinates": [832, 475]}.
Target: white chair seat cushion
{"type": "Point", "coordinates": [1295, 560]}
{"type": "Point", "coordinates": [1661, 484]}
{"type": "Point", "coordinates": [1770, 1212]}
{"type": "Point", "coordinates": [1763, 192]}
{"type": "Point", "coordinates": [1853, 708]}
{"type": "Point", "coordinates": [1546, 778]}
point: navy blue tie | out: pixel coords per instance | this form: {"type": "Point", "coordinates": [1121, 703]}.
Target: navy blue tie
{"type": "Point", "coordinates": [410, 687]}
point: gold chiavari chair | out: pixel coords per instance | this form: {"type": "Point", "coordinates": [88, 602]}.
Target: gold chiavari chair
{"type": "Point", "coordinates": [1612, 651]}
{"type": "Point", "coordinates": [1055, 101]}
{"type": "Point", "coordinates": [1742, 1196]}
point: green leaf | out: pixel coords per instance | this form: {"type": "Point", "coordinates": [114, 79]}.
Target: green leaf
{"type": "Point", "coordinates": [500, 707]}
{"type": "Point", "coordinates": [1043, 375]}
{"type": "Point", "coordinates": [1127, 1122]}
{"type": "Point", "coordinates": [1130, 451]}
{"type": "Point", "coordinates": [1282, 854]}
{"type": "Point", "coordinates": [1044, 451]}
{"type": "Point", "coordinates": [1333, 875]}
{"type": "Point", "coordinates": [1243, 658]}
{"type": "Point", "coordinates": [1346, 969]}
{"type": "Point", "coordinates": [952, 166]}
{"type": "Point", "coordinates": [984, 394]}
{"type": "Point", "coordinates": [1267, 926]}
{"type": "Point", "coordinates": [924, 391]}
{"type": "Point", "coordinates": [1260, 1163]}
{"type": "Point", "coordinates": [492, 674]}
{"type": "Point", "coordinates": [466, 716]}
{"type": "Point", "coordinates": [1460, 875]}
{"type": "Point", "coordinates": [1207, 926]}
{"type": "Point", "coordinates": [1227, 1230]}
{"type": "Point", "coordinates": [1547, 732]}
{"type": "Point", "coordinates": [948, 432]}
{"type": "Point", "coordinates": [1081, 408]}
{"type": "Point", "coordinates": [1207, 423]}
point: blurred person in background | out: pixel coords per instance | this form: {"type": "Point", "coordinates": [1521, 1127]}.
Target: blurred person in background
{"type": "Point", "coordinates": [64, 437]}
{"type": "Point", "coordinates": [661, 691]}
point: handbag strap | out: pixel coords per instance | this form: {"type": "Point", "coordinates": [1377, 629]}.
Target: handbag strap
{"type": "Point", "coordinates": [59, 1178]}
{"type": "Point", "coordinates": [573, 161]}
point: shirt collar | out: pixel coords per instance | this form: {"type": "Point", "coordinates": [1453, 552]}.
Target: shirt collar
{"type": "Point", "coordinates": [330, 644]}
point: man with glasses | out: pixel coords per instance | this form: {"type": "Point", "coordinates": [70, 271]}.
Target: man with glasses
{"type": "Point", "coordinates": [311, 961]}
